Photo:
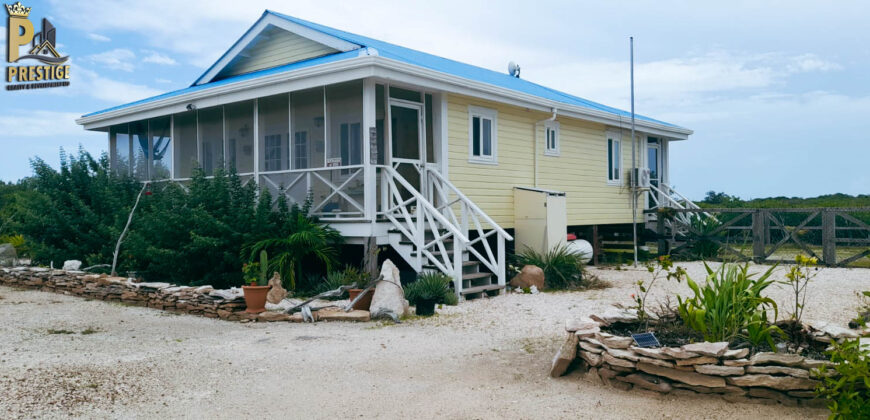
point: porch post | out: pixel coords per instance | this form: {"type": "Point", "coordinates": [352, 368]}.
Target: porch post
{"type": "Point", "coordinates": [257, 144]}
{"type": "Point", "coordinates": [369, 160]}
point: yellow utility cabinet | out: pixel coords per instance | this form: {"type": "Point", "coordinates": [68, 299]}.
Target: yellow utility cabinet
{"type": "Point", "coordinates": [540, 219]}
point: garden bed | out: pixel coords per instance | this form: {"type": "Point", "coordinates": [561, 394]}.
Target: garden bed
{"type": "Point", "coordinates": [736, 373]}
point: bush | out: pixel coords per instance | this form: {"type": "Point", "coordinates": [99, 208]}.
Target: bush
{"type": "Point", "coordinates": [848, 391]}
{"type": "Point", "coordinates": [563, 269]}
{"type": "Point", "coordinates": [730, 305]}
{"type": "Point", "coordinates": [430, 286]}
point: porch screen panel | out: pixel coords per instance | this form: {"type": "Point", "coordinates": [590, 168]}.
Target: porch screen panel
{"type": "Point", "coordinates": [139, 158]}
{"type": "Point", "coordinates": [380, 116]}
{"type": "Point", "coordinates": [274, 133]}
{"type": "Point", "coordinates": [308, 128]}
{"type": "Point", "coordinates": [430, 137]}
{"type": "Point", "coordinates": [344, 103]}
{"type": "Point", "coordinates": [119, 138]}
{"type": "Point", "coordinates": [211, 137]}
{"type": "Point", "coordinates": [185, 139]}
{"type": "Point", "coordinates": [240, 136]}
{"type": "Point", "coordinates": [161, 147]}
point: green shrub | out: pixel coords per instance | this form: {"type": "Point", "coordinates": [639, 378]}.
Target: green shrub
{"type": "Point", "coordinates": [848, 391]}
{"type": "Point", "coordinates": [563, 269]}
{"type": "Point", "coordinates": [430, 286]}
{"type": "Point", "coordinates": [701, 245]}
{"type": "Point", "coordinates": [730, 305]}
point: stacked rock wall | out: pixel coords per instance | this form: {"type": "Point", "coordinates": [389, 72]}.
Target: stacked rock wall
{"type": "Point", "coordinates": [700, 368]}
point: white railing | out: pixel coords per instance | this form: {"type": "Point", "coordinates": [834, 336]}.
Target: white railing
{"type": "Point", "coordinates": [331, 190]}
{"type": "Point", "coordinates": [414, 216]}
{"type": "Point", "coordinates": [666, 196]}
{"type": "Point", "coordinates": [463, 213]}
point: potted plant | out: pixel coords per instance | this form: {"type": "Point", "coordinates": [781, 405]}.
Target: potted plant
{"type": "Point", "coordinates": [257, 287]}
{"type": "Point", "coordinates": [352, 275]}
{"type": "Point", "coordinates": [429, 290]}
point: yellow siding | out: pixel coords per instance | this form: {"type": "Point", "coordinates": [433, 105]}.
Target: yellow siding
{"type": "Point", "coordinates": [277, 47]}
{"type": "Point", "coordinates": [580, 170]}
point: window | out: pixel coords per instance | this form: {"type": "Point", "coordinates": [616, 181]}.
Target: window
{"type": "Point", "coordinates": [300, 150]}
{"type": "Point", "coordinates": [482, 135]}
{"type": "Point", "coordinates": [552, 132]}
{"type": "Point", "coordinates": [273, 152]}
{"type": "Point", "coordinates": [614, 160]}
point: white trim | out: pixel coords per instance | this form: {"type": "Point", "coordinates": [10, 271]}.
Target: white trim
{"type": "Point", "coordinates": [614, 136]}
{"type": "Point", "coordinates": [358, 68]}
{"type": "Point", "coordinates": [439, 125]}
{"type": "Point", "coordinates": [483, 113]}
{"type": "Point", "coordinates": [552, 126]}
{"type": "Point", "coordinates": [261, 25]}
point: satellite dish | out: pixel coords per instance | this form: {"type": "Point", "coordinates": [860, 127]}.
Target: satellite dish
{"type": "Point", "coordinates": [514, 69]}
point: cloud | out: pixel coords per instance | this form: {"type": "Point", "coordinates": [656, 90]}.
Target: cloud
{"type": "Point", "coordinates": [39, 123]}
{"type": "Point", "coordinates": [116, 92]}
{"type": "Point", "coordinates": [157, 58]}
{"type": "Point", "coordinates": [811, 63]}
{"type": "Point", "coordinates": [98, 37]}
{"type": "Point", "coordinates": [117, 59]}
{"type": "Point", "coordinates": [162, 81]}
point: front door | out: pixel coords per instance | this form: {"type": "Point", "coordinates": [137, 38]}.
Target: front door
{"type": "Point", "coordinates": [653, 162]}
{"type": "Point", "coordinates": [407, 149]}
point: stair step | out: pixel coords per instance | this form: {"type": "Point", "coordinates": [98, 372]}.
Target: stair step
{"type": "Point", "coordinates": [464, 264]}
{"type": "Point", "coordinates": [473, 276]}
{"type": "Point", "coordinates": [479, 289]}
{"type": "Point", "coordinates": [406, 242]}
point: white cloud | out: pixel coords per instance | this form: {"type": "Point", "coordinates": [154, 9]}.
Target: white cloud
{"type": "Point", "coordinates": [157, 58]}
{"type": "Point", "coordinates": [116, 92]}
{"type": "Point", "coordinates": [39, 123]}
{"type": "Point", "coordinates": [98, 37]}
{"type": "Point", "coordinates": [162, 81]}
{"type": "Point", "coordinates": [117, 59]}
{"type": "Point", "coordinates": [810, 62]}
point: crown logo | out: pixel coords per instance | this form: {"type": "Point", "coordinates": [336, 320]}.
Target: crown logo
{"type": "Point", "coordinates": [17, 10]}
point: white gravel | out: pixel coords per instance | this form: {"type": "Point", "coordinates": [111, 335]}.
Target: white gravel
{"type": "Point", "coordinates": [482, 359]}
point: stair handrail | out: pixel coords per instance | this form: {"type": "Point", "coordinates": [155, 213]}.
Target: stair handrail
{"type": "Point", "coordinates": [471, 205]}
{"type": "Point", "coordinates": [422, 201]}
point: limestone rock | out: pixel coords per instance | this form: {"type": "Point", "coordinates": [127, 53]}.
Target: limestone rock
{"type": "Point", "coordinates": [702, 360]}
{"type": "Point", "coordinates": [650, 382]}
{"type": "Point", "coordinates": [815, 364]}
{"type": "Point", "coordinates": [582, 323]}
{"type": "Point", "coordinates": [564, 356]}
{"type": "Point", "coordinates": [719, 370]}
{"type": "Point", "coordinates": [615, 315]}
{"type": "Point", "coordinates": [707, 348]}
{"type": "Point", "coordinates": [691, 378]}
{"type": "Point", "coordinates": [737, 362]}
{"type": "Point", "coordinates": [622, 354]}
{"type": "Point", "coordinates": [613, 361]}
{"type": "Point", "coordinates": [735, 354]}
{"type": "Point", "coordinates": [776, 359]}
{"type": "Point", "coordinates": [276, 293]}
{"type": "Point", "coordinates": [340, 315]}
{"type": "Point", "coordinates": [589, 347]}
{"type": "Point", "coordinates": [593, 359]}
{"type": "Point", "coordinates": [679, 353]}
{"type": "Point", "coordinates": [389, 298]}
{"type": "Point", "coordinates": [771, 395]}
{"type": "Point", "coordinates": [783, 383]}
{"type": "Point", "coordinates": [615, 342]}
{"type": "Point", "coordinates": [726, 390]}
{"type": "Point", "coordinates": [529, 275]}
{"type": "Point", "coordinates": [659, 362]}
{"type": "Point", "coordinates": [778, 370]}
{"type": "Point", "coordinates": [654, 353]}
{"type": "Point", "coordinates": [72, 265]}
{"type": "Point", "coordinates": [203, 290]}
{"type": "Point", "coordinates": [273, 316]}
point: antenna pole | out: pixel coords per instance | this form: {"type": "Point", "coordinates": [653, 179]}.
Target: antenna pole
{"type": "Point", "coordinates": [634, 187]}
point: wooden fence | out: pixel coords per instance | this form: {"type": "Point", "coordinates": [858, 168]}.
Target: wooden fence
{"type": "Point", "coordinates": [766, 234]}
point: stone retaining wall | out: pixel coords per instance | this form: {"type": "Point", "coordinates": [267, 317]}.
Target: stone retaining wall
{"type": "Point", "coordinates": [701, 368]}
{"type": "Point", "coordinates": [204, 301]}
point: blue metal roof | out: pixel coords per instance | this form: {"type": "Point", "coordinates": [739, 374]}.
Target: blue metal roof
{"type": "Point", "coordinates": [409, 56]}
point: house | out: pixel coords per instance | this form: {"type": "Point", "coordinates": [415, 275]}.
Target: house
{"type": "Point", "coordinates": [420, 152]}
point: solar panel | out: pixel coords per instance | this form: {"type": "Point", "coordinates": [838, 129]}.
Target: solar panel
{"type": "Point", "coordinates": [646, 340]}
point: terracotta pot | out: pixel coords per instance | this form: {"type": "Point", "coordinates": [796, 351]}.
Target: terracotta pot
{"type": "Point", "coordinates": [255, 298]}
{"type": "Point", "coordinates": [363, 304]}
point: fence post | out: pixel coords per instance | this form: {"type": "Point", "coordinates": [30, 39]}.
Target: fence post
{"type": "Point", "coordinates": [829, 237]}
{"type": "Point", "coordinates": [660, 234]}
{"type": "Point", "coordinates": [758, 235]}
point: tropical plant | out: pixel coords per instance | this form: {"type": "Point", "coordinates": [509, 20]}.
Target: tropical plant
{"type": "Point", "coordinates": [563, 269]}
{"type": "Point", "coordinates": [257, 273]}
{"type": "Point", "coordinates": [430, 286]}
{"type": "Point", "coordinates": [661, 267]}
{"type": "Point", "coordinates": [847, 388]}
{"type": "Point", "coordinates": [702, 245]}
{"type": "Point", "coordinates": [797, 279]}
{"type": "Point", "coordinates": [730, 305]}
{"type": "Point", "coordinates": [347, 276]}
{"type": "Point", "coordinates": [307, 241]}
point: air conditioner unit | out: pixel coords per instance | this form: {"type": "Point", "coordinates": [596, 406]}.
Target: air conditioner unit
{"type": "Point", "coordinates": [640, 178]}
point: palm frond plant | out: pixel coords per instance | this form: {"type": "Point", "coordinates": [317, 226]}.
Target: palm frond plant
{"type": "Point", "coordinates": [429, 289]}
{"type": "Point", "coordinates": [307, 242]}
{"type": "Point", "coordinates": [563, 269]}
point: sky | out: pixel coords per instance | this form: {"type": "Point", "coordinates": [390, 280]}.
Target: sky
{"type": "Point", "coordinates": [778, 93]}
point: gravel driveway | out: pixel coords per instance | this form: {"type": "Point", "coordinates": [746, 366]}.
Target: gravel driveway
{"type": "Point", "coordinates": [63, 356]}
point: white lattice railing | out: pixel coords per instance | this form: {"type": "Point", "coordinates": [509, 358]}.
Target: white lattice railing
{"type": "Point", "coordinates": [336, 192]}
{"type": "Point", "coordinates": [668, 197]}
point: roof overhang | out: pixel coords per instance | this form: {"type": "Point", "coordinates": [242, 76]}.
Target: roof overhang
{"type": "Point", "coordinates": [365, 65]}
{"type": "Point", "coordinates": [259, 26]}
